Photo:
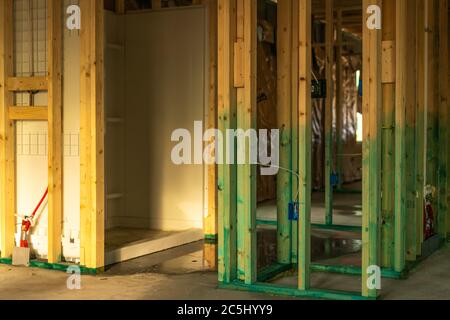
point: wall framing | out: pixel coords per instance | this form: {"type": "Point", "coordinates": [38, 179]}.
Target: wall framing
{"type": "Point", "coordinates": [92, 135]}
{"type": "Point", "coordinates": [9, 115]}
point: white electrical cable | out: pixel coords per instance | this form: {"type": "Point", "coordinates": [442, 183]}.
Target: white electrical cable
{"type": "Point", "coordinates": [287, 170]}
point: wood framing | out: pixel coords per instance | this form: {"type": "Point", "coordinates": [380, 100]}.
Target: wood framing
{"type": "Point", "coordinates": [339, 99]}
{"type": "Point", "coordinates": [226, 120]}
{"type": "Point", "coordinates": [28, 83]}
{"type": "Point", "coordinates": [420, 124]}
{"type": "Point", "coordinates": [443, 172]}
{"type": "Point", "coordinates": [120, 6]}
{"type": "Point", "coordinates": [7, 134]}
{"type": "Point", "coordinates": [294, 122]}
{"type": "Point", "coordinates": [55, 130]}
{"type": "Point", "coordinates": [410, 122]}
{"type": "Point", "coordinates": [431, 96]}
{"type": "Point", "coordinates": [246, 119]}
{"type": "Point", "coordinates": [400, 135]}
{"type": "Point", "coordinates": [210, 220]}
{"type": "Point", "coordinates": [448, 150]}
{"type": "Point", "coordinates": [305, 142]}
{"type": "Point", "coordinates": [92, 135]}
{"type": "Point", "coordinates": [28, 113]}
{"type": "Point", "coordinates": [372, 107]}
{"type": "Point", "coordinates": [241, 196]}
{"type": "Point", "coordinates": [388, 83]}
{"type": "Point", "coordinates": [284, 85]}
{"type": "Point", "coordinates": [328, 125]}
{"type": "Point", "coordinates": [156, 4]}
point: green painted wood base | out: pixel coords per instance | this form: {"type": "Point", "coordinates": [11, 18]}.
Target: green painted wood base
{"type": "Point", "coordinates": [336, 227]}
{"type": "Point", "coordinates": [291, 292]}
{"type": "Point", "coordinates": [55, 266]}
{"type": "Point", "coordinates": [356, 271]}
{"type": "Point", "coordinates": [348, 191]}
{"type": "Point", "coordinates": [272, 271]}
{"type": "Point", "coordinates": [333, 227]}
{"type": "Point", "coordinates": [261, 222]}
{"type": "Point", "coordinates": [211, 238]}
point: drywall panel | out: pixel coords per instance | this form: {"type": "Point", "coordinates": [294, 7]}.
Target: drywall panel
{"type": "Point", "coordinates": [115, 117]}
{"type": "Point", "coordinates": [165, 91]}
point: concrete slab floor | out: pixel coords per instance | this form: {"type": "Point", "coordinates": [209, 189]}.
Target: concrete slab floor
{"type": "Point", "coordinates": [183, 274]}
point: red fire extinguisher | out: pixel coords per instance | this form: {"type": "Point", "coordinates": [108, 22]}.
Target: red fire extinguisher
{"type": "Point", "coordinates": [27, 222]}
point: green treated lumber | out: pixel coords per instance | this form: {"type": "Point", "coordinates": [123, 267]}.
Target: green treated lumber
{"type": "Point", "coordinates": [294, 119]}
{"type": "Point", "coordinates": [272, 271]}
{"type": "Point", "coordinates": [262, 222]}
{"type": "Point", "coordinates": [348, 191]}
{"type": "Point", "coordinates": [334, 227]}
{"type": "Point", "coordinates": [304, 143]}
{"type": "Point", "coordinates": [387, 204]}
{"type": "Point", "coordinates": [448, 149]}
{"type": "Point", "coordinates": [328, 126]}
{"type": "Point", "coordinates": [356, 271]}
{"type": "Point", "coordinates": [246, 119]}
{"type": "Point", "coordinates": [372, 109]}
{"type": "Point", "coordinates": [400, 136]}
{"type": "Point", "coordinates": [284, 177]}
{"type": "Point", "coordinates": [55, 266]}
{"type": "Point", "coordinates": [410, 152]}
{"type": "Point", "coordinates": [337, 227]}
{"type": "Point", "coordinates": [431, 97]}
{"type": "Point", "coordinates": [420, 125]}
{"type": "Point", "coordinates": [211, 237]}
{"type": "Point", "coordinates": [291, 292]}
{"type": "Point", "coordinates": [226, 120]}
{"type": "Point", "coordinates": [339, 99]}
{"type": "Point", "coordinates": [443, 120]}
{"type": "Point", "coordinates": [242, 197]}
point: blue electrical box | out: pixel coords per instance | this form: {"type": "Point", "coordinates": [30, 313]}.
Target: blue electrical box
{"type": "Point", "coordinates": [334, 179]}
{"type": "Point", "coordinates": [293, 211]}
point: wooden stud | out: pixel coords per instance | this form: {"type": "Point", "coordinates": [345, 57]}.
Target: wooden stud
{"type": "Point", "coordinates": [247, 120]}
{"type": "Point", "coordinates": [120, 6]}
{"type": "Point", "coordinates": [226, 120]}
{"type": "Point", "coordinates": [92, 135]}
{"type": "Point", "coordinates": [28, 113]}
{"type": "Point", "coordinates": [448, 149]}
{"type": "Point", "coordinates": [210, 220]}
{"type": "Point", "coordinates": [388, 83]}
{"type": "Point", "coordinates": [242, 199]}
{"type": "Point", "coordinates": [339, 100]}
{"type": "Point", "coordinates": [443, 120]}
{"type": "Point", "coordinates": [156, 4]}
{"type": "Point", "coordinates": [431, 96]}
{"type": "Point", "coordinates": [410, 123]}
{"type": "Point", "coordinates": [239, 63]}
{"type": "Point", "coordinates": [284, 82]}
{"type": "Point", "coordinates": [27, 84]}
{"type": "Point", "coordinates": [294, 121]}
{"type": "Point", "coordinates": [305, 142]}
{"type": "Point", "coordinates": [329, 61]}
{"type": "Point", "coordinates": [400, 134]}
{"type": "Point", "coordinates": [7, 134]}
{"type": "Point", "coordinates": [55, 131]}
{"type": "Point", "coordinates": [372, 107]}
{"type": "Point", "coordinates": [420, 124]}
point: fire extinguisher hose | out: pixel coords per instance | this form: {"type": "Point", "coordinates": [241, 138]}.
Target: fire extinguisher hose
{"type": "Point", "coordinates": [39, 204]}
